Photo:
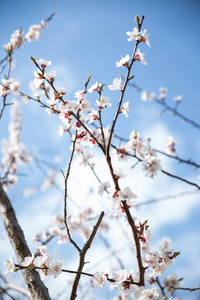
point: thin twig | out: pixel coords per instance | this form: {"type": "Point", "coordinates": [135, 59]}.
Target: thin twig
{"type": "Point", "coordinates": [181, 160]}
{"type": "Point", "coordinates": [65, 196]}
{"type": "Point", "coordinates": [155, 200]}
{"type": "Point", "coordinates": [167, 107]}
{"type": "Point", "coordinates": [82, 257]}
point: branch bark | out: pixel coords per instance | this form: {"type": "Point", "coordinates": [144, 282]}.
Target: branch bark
{"type": "Point", "coordinates": [35, 285]}
{"type": "Point", "coordinates": [82, 257]}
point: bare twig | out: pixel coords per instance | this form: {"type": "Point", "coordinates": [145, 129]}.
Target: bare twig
{"type": "Point", "coordinates": [155, 200]}
{"type": "Point", "coordinates": [167, 107]}
{"type": "Point", "coordinates": [181, 160]}
{"type": "Point", "coordinates": [65, 196]}
{"type": "Point", "coordinates": [82, 256]}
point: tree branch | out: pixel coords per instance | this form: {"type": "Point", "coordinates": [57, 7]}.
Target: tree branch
{"type": "Point", "coordinates": [35, 285]}
{"type": "Point", "coordinates": [82, 257]}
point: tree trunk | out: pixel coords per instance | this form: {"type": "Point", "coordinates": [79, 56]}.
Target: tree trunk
{"type": "Point", "coordinates": [35, 285]}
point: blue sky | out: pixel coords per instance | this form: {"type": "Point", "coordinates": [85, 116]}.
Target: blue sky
{"type": "Point", "coordinates": [89, 37]}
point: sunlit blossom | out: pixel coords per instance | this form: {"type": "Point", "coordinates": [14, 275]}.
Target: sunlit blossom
{"type": "Point", "coordinates": [134, 35]}
{"type": "Point", "coordinates": [9, 265]}
{"type": "Point", "coordinates": [123, 61]}
{"type": "Point", "coordinates": [116, 85]}
{"type": "Point", "coordinates": [55, 268]}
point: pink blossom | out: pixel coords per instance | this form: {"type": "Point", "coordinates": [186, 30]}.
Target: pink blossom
{"type": "Point", "coordinates": [94, 87]}
{"type": "Point", "coordinates": [33, 33]}
{"type": "Point", "coordinates": [145, 37]}
{"type": "Point", "coordinates": [170, 146]}
{"type": "Point", "coordinates": [123, 62]}
{"type": "Point", "coordinates": [140, 57]}
{"type": "Point", "coordinates": [92, 116]}
{"type": "Point", "coordinates": [16, 41]}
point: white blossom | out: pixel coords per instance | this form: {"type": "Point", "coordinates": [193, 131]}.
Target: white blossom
{"type": "Point", "coordinates": [103, 102]}
{"type": "Point", "coordinates": [94, 88]}
{"type": "Point", "coordinates": [140, 57]}
{"type": "Point", "coordinates": [123, 61]}
{"type": "Point", "coordinates": [170, 282]}
{"type": "Point", "coordinates": [178, 98]}
{"type": "Point", "coordinates": [44, 63]}
{"type": "Point", "coordinates": [99, 279]}
{"type": "Point", "coordinates": [9, 265]}
{"type": "Point", "coordinates": [103, 187]}
{"type": "Point", "coordinates": [55, 268]}
{"type": "Point", "coordinates": [134, 35]}
{"type": "Point", "coordinates": [125, 109]}
{"type": "Point", "coordinates": [116, 85]}
{"type": "Point", "coordinates": [28, 260]}
{"type": "Point", "coordinates": [145, 37]}
{"type": "Point", "coordinates": [127, 195]}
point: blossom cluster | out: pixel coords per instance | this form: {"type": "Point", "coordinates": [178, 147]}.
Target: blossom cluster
{"type": "Point", "coordinates": [14, 152]}
{"type": "Point", "coordinates": [142, 151]}
{"type": "Point", "coordinates": [77, 115]}
{"type": "Point", "coordinates": [155, 262]}
{"type": "Point", "coordinates": [124, 282]}
{"type": "Point", "coordinates": [17, 39]}
{"type": "Point", "coordinates": [44, 262]}
{"type": "Point", "coordinates": [9, 86]}
{"type": "Point", "coordinates": [78, 222]}
{"type": "Point", "coordinates": [161, 96]}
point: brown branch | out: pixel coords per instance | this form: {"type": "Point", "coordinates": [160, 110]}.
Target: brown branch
{"type": "Point", "coordinates": [65, 196]}
{"type": "Point", "coordinates": [161, 287]}
{"type": "Point", "coordinates": [82, 257]}
{"type": "Point", "coordinates": [121, 97]}
{"type": "Point", "coordinates": [181, 179]}
{"type": "Point", "coordinates": [85, 127]}
{"type": "Point", "coordinates": [181, 160]}
{"type": "Point", "coordinates": [124, 87]}
{"type": "Point", "coordinates": [137, 244]}
{"type": "Point", "coordinates": [35, 285]}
